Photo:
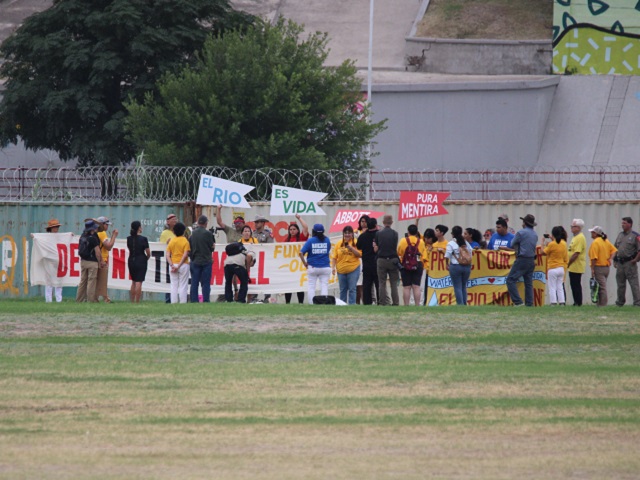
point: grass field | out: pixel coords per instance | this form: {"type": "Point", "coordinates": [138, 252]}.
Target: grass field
{"type": "Point", "coordinates": [274, 391]}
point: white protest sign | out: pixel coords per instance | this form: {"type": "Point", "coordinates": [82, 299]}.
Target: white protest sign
{"type": "Point", "coordinates": [216, 191]}
{"type": "Point", "coordinates": [291, 201]}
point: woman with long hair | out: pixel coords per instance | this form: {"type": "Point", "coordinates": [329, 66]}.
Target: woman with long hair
{"type": "Point", "coordinates": [363, 226]}
{"type": "Point", "coordinates": [295, 234]}
{"type": "Point", "coordinates": [459, 273]}
{"type": "Point", "coordinates": [555, 248]}
{"type": "Point", "coordinates": [345, 260]}
{"type": "Point", "coordinates": [139, 254]}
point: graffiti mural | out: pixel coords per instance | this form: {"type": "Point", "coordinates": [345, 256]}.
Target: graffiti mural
{"type": "Point", "coordinates": [593, 37]}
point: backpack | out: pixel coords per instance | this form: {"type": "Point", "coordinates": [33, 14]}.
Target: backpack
{"type": "Point", "coordinates": [464, 257]}
{"type": "Point", "coordinates": [324, 300]}
{"type": "Point", "coordinates": [234, 248]}
{"type": "Point", "coordinates": [84, 250]}
{"type": "Point", "coordinates": [410, 259]}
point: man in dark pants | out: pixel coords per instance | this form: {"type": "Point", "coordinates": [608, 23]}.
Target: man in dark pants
{"type": "Point", "coordinates": [524, 244]}
{"type": "Point", "coordinates": [369, 262]}
{"type": "Point", "coordinates": [577, 260]}
{"type": "Point", "coordinates": [626, 262]}
{"type": "Point", "coordinates": [202, 246]}
{"type": "Point", "coordinates": [386, 247]}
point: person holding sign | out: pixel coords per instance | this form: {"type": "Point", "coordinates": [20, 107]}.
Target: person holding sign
{"type": "Point", "coordinates": [296, 235]}
{"type": "Point", "coordinates": [345, 259]}
{"type": "Point", "coordinates": [317, 263]}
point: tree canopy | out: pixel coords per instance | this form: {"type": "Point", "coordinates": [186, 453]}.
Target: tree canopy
{"type": "Point", "coordinates": [69, 69]}
{"type": "Point", "coordinates": [257, 98]}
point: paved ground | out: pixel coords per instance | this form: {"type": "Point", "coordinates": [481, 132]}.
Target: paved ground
{"type": "Point", "coordinates": [346, 22]}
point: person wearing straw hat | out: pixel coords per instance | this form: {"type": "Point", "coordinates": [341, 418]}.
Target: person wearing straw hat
{"type": "Point", "coordinates": [53, 226]}
{"type": "Point", "coordinates": [601, 253]}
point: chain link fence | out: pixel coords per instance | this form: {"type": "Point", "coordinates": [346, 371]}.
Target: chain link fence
{"type": "Point", "coordinates": [146, 184]}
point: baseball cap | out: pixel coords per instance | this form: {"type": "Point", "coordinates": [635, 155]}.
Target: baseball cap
{"type": "Point", "coordinates": [104, 220]}
{"type": "Point", "coordinates": [597, 230]}
{"type": "Point", "coordinates": [318, 227]}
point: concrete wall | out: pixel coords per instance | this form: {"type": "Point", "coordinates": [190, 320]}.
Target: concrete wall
{"type": "Point", "coordinates": [479, 57]}
{"type": "Point", "coordinates": [460, 123]}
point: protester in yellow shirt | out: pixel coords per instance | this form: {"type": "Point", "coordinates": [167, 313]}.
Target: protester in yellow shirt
{"type": "Point", "coordinates": [557, 259]}
{"type": "Point", "coordinates": [345, 260]}
{"type": "Point", "coordinates": [177, 256]}
{"type": "Point", "coordinates": [412, 277]}
{"type": "Point", "coordinates": [577, 260]}
{"type": "Point", "coordinates": [601, 254]}
{"type": "Point", "coordinates": [106, 244]}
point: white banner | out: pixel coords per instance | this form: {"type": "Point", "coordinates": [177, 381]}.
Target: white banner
{"type": "Point", "coordinates": [55, 261]}
{"type": "Point", "coordinates": [290, 201]}
{"type": "Point", "coordinates": [216, 191]}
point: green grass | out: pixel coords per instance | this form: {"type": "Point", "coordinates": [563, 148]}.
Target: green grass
{"type": "Point", "coordinates": [274, 391]}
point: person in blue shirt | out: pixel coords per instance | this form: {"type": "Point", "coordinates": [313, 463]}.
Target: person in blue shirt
{"type": "Point", "coordinates": [502, 239]}
{"type": "Point", "coordinates": [317, 262]}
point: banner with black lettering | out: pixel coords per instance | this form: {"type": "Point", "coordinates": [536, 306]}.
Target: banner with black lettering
{"type": "Point", "coordinates": [55, 261]}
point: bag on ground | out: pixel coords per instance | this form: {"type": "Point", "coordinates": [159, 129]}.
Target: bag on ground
{"type": "Point", "coordinates": [324, 300]}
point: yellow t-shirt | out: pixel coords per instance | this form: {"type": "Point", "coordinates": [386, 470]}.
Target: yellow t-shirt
{"type": "Point", "coordinates": [578, 244]}
{"type": "Point", "coordinates": [346, 261]}
{"type": "Point", "coordinates": [252, 240]}
{"type": "Point", "coordinates": [422, 251]}
{"type": "Point", "coordinates": [601, 251]}
{"type": "Point", "coordinates": [105, 253]}
{"type": "Point", "coordinates": [442, 245]}
{"type": "Point", "coordinates": [176, 248]}
{"type": "Point", "coordinates": [557, 255]}
{"type": "Point", "coordinates": [166, 235]}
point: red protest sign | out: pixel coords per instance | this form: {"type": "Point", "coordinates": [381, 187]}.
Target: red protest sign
{"type": "Point", "coordinates": [421, 204]}
{"type": "Point", "coordinates": [350, 217]}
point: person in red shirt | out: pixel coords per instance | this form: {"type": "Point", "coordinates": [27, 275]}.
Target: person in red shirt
{"type": "Point", "coordinates": [296, 235]}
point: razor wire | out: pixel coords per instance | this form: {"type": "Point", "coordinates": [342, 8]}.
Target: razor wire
{"type": "Point", "coordinates": [152, 184]}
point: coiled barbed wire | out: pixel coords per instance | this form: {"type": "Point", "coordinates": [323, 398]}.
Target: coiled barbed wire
{"type": "Point", "coordinates": [151, 184]}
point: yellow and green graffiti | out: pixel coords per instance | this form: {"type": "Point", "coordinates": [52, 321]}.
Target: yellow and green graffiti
{"type": "Point", "coordinates": [596, 37]}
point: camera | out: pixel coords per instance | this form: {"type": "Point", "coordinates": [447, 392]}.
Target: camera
{"type": "Point", "coordinates": [546, 235]}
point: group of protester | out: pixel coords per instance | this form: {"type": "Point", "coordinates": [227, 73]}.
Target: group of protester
{"type": "Point", "coordinates": [370, 255]}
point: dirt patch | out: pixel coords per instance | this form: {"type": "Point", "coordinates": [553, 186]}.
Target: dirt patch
{"type": "Point", "coordinates": [488, 19]}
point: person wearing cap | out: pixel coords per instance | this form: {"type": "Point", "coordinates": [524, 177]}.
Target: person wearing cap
{"type": "Point", "coordinates": [202, 245]}
{"type": "Point", "coordinates": [261, 233]}
{"type": "Point", "coordinates": [106, 244]}
{"type": "Point", "coordinates": [53, 226]}
{"type": "Point", "coordinates": [626, 262]}
{"type": "Point", "coordinates": [294, 234]}
{"type": "Point", "coordinates": [388, 263]}
{"type": "Point", "coordinates": [314, 255]}
{"type": "Point", "coordinates": [601, 253]}
{"type": "Point", "coordinates": [89, 264]}
{"type": "Point", "coordinates": [233, 233]}
{"type": "Point", "coordinates": [177, 256]}
{"type": "Point", "coordinates": [524, 244]}
{"type": "Point", "coordinates": [577, 260]}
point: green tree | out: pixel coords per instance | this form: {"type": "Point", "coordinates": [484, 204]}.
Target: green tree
{"type": "Point", "coordinates": [259, 98]}
{"type": "Point", "coordinates": [70, 68]}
